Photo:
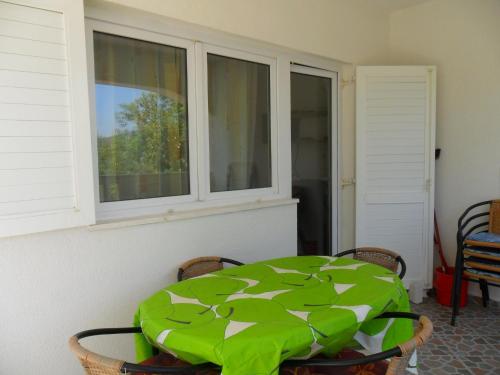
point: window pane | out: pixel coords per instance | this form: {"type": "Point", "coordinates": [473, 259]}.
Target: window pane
{"type": "Point", "coordinates": [311, 105]}
{"type": "Point", "coordinates": [141, 116]}
{"type": "Point", "coordinates": [239, 124]}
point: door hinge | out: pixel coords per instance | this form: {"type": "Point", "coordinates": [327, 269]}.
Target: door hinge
{"type": "Point", "coordinates": [347, 181]}
{"type": "Point", "coordinates": [428, 184]}
{"type": "Point", "coordinates": [347, 82]}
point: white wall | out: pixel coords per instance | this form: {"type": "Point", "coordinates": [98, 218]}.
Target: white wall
{"type": "Point", "coordinates": [57, 283]}
{"type": "Point", "coordinates": [352, 31]}
{"type": "Point", "coordinates": [54, 284]}
{"type": "Point", "coordinates": [461, 37]}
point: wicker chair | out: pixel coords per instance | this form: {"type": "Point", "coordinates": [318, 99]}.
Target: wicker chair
{"type": "Point", "coordinates": [96, 364]}
{"type": "Point", "coordinates": [383, 257]}
{"type": "Point", "coordinates": [202, 265]}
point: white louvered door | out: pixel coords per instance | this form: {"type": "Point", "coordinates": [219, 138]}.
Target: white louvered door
{"type": "Point", "coordinates": [395, 127]}
{"type": "Point", "coordinates": [45, 152]}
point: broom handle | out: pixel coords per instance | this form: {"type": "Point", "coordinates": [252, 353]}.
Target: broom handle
{"type": "Point", "coordinates": [437, 240]}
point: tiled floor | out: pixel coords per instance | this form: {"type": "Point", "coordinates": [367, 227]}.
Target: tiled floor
{"type": "Point", "coordinates": [471, 347]}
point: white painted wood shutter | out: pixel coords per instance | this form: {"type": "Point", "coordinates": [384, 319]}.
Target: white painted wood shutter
{"type": "Point", "coordinates": [45, 150]}
{"type": "Point", "coordinates": [395, 122]}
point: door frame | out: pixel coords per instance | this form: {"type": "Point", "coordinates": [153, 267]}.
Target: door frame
{"type": "Point", "coordinates": [335, 161]}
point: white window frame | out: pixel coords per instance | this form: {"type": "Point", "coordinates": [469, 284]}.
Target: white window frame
{"type": "Point", "coordinates": [205, 193]}
{"type": "Point", "coordinates": [335, 146]}
{"type": "Point", "coordinates": [204, 40]}
{"type": "Point", "coordinates": [146, 206]}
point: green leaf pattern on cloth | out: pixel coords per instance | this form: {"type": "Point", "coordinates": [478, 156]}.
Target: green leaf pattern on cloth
{"type": "Point", "coordinates": [249, 319]}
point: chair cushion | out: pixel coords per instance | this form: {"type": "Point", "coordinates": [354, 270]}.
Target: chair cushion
{"type": "Point", "coordinates": [483, 252]}
{"type": "Point", "coordinates": [483, 239]}
{"type": "Point", "coordinates": [165, 359]}
{"type": "Point", "coordinates": [375, 368]}
{"type": "Point", "coordinates": [475, 273]}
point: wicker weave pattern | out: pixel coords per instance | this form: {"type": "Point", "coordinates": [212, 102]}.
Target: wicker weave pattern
{"type": "Point", "coordinates": [398, 365]}
{"type": "Point", "coordinates": [94, 364]}
{"type": "Point", "coordinates": [494, 226]}
{"type": "Point", "coordinates": [382, 257]}
{"type": "Point", "coordinates": [200, 266]}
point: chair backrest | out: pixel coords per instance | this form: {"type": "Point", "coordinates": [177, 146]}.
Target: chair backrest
{"type": "Point", "coordinates": [97, 364]}
{"type": "Point", "coordinates": [494, 225]}
{"type": "Point", "coordinates": [203, 265]}
{"type": "Point", "coordinates": [399, 355]}
{"type": "Point", "coordinates": [399, 364]}
{"type": "Point", "coordinates": [382, 257]}
{"type": "Point", "coordinates": [471, 221]}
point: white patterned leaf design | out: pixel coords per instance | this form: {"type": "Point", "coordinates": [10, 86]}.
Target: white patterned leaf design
{"type": "Point", "coordinates": [360, 311]}
{"type": "Point", "coordinates": [236, 327]}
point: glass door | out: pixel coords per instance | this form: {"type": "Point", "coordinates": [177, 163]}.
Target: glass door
{"type": "Point", "coordinates": [314, 158]}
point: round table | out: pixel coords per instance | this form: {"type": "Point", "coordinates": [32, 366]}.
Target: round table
{"type": "Point", "coordinates": [249, 319]}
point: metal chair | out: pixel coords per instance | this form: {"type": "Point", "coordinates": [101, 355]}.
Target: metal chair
{"type": "Point", "coordinates": [202, 265]}
{"type": "Point", "coordinates": [96, 364]}
{"type": "Point", "coordinates": [382, 257]}
{"type": "Point", "coordinates": [477, 260]}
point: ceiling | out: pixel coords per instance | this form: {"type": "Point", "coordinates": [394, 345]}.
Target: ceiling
{"type": "Point", "coordinates": [392, 5]}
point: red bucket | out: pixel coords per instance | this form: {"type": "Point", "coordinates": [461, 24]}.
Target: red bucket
{"type": "Point", "coordinates": [443, 283]}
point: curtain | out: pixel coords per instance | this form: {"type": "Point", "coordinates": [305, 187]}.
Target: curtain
{"type": "Point", "coordinates": [239, 110]}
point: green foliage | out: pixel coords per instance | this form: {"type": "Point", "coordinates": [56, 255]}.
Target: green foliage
{"type": "Point", "coordinates": [156, 144]}
{"type": "Point", "coordinates": [147, 155]}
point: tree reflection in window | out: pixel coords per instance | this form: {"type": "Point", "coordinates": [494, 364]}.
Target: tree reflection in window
{"type": "Point", "coordinates": [142, 124]}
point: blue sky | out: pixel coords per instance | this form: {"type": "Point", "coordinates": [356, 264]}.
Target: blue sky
{"type": "Point", "coordinates": [108, 100]}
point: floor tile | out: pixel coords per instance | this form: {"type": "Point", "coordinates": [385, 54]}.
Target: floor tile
{"type": "Point", "coordinates": [471, 347]}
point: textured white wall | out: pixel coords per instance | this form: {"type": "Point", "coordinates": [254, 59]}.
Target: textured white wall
{"type": "Point", "coordinates": [351, 31]}
{"type": "Point", "coordinates": [461, 37]}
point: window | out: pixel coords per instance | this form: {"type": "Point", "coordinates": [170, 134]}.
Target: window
{"type": "Point", "coordinates": [179, 124]}
{"type": "Point", "coordinates": [239, 111]}
{"type": "Point", "coordinates": [141, 119]}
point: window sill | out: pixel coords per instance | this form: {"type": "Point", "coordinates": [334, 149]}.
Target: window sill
{"type": "Point", "coordinates": [191, 213]}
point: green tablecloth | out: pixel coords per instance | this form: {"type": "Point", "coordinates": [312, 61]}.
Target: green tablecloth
{"type": "Point", "coordinates": [250, 318]}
